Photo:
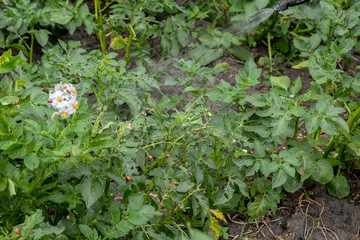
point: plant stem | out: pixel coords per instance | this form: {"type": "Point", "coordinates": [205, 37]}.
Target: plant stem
{"type": "Point", "coordinates": [317, 135]}
{"type": "Point", "coordinates": [34, 185]}
{"type": "Point", "coordinates": [127, 57]}
{"type": "Point", "coordinates": [327, 88]}
{"type": "Point", "coordinates": [102, 35]}
{"type": "Point", "coordinates": [178, 206]}
{"type": "Point", "coordinates": [31, 47]}
{"type": "Point", "coordinates": [296, 128]}
{"type": "Point", "coordinates": [329, 37]}
{"type": "Point", "coordinates": [56, 124]}
{"type": "Point", "coordinates": [269, 47]}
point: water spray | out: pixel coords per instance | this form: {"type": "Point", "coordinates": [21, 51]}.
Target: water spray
{"type": "Point", "coordinates": [282, 5]}
{"type": "Point", "coordinates": [239, 28]}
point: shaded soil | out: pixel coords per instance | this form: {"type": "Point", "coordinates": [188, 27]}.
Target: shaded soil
{"type": "Point", "coordinates": [310, 213]}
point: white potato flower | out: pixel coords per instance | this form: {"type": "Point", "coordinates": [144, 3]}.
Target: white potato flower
{"type": "Point", "coordinates": [63, 99]}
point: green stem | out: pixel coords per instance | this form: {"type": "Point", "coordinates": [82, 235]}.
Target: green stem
{"type": "Point", "coordinates": [31, 47]}
{"type": "Point", "coordinates": [350, 123]}
{"type": "Point", "coordinates": [269, 47]}
{"type": "Point", "coordinates": [317, 135]}
{"type": "Point", "coordinates": [327, 88]}
{"type": "Point", "coordinates": [107, 5]}
{"type": "Point", "coordinates": [34, 185]}
{"type": "Point", "coordinates": [102, 35]}
{"type": "Point", "coordinates": [296, 128]}
{"type": "Point", "coordinates": [329, 37]}
{"type": "Point", "coordinates": [56, 124]}
{"type": "Point", "coordinates": [178, 206]}
{"type": "Point", "coordinates": [127, 53]}
{"type": "Point", "coordinates": [148, 192]}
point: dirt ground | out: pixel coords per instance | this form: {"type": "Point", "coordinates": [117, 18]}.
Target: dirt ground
{"type": "Point", "coordinates": [310, 213]}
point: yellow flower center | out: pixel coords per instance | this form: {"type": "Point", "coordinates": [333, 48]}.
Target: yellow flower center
{"type": "Point", "coordinates": [74, 91]}
{"type": "Point", "coordinates": [64, 114]}
{"type": "Point", "coordinates": [59, 99]}
{"type": "Point", "coordinates": [75, 106]}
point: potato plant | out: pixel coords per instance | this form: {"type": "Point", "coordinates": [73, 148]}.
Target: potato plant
{"type": "Point", "coordinates": [93, 149]}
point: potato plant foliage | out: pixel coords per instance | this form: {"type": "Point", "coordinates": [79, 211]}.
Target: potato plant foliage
{"type": "Point", "coordinates": [131, 163]}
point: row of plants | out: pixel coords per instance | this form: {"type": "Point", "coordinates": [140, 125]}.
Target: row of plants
{"type": "Point", "coordinates": [89, 150]}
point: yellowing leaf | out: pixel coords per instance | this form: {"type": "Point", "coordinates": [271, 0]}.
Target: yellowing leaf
{"type": "Point", "coordinates": [302, 65]}
{"type": "Point", "coordinates": [215, 227]}
{"type": "Point", "coordinates": [117, 42]}
{"type": "Point", "coordinates": [218, 214]}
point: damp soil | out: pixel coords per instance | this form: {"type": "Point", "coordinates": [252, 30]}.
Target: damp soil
{"type": "Point", "coordinates": [310, 213]}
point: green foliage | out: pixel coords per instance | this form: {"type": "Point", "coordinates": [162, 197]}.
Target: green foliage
{"type": "Point", "coordinates": [23, 18]}
{"type": "Point", "coordinates": [90, 175]}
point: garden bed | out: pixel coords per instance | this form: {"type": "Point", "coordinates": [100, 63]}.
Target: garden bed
{"type": "Point", "coordinates": [172, 168]}
{"type": "Point", "coordinates": [310, 213]}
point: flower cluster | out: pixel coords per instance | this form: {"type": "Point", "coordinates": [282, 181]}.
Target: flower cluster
{"type": "Point", "coordinates": [64, 99]}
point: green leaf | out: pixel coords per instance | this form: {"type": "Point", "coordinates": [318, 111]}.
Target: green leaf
{"type": "Point", "coordinates": [89, 233]}
{"type": "Point", "coordinates": [124, 226]}
{"type": "Point", "coordinates": [115, 211]}
{"type": "Point", "coordinates": [222, 93]}
{"type": "Point", "coordinates": [185, 186]}
{"type": "Point", "coordinates": [42, 36]}
{"type": "Point", "coordinates": [249, 74]}
{"type": "Point", "coordinates": [260, 4]}
{"type": "Point", "coordinates": [32, 126]}
{"type": "Point", "coordinates": [243, 187]}
{"type": "Point", "coordinates": [312, 124]}
{"type": "Point", "coordinates": [354, 144]}
{"type": "Point", "coordinates": [183, 36]}
{"type": "Point", "coordinates": [292, 184]}
{"type": "Point", "coordinates": [48, 229]}
{"type": "Point", "coordinates": [288, 169]}
{"type": "Point", "coordinates": [16, 150]}
{"type": "Point", "coordinates": [174, 49]}
{"type": "Point", "coordinates": [91, 191]}
{"type": "Point", "coordinates": [9, 63]}
{"type": "Point", "coordinates": [308, 166]}
{"type": "Point", "coordinates": [338, 187]}
{"type": "Point", "coordinates": [131, 98]}
{"type": "Point", "coordinates": [282, 82]}
{"type": "Point", "coordinates": [323, 172]}
{"type": "Point", "coordinates": [224, 196]}
{"type": "Point", "coordinates": [3, 183]}
{"type": "Point", "coordinates": [280, 126]}
{"type": "Point", "coordinates": [135, 202]}
{"type": "Point", "coordinates": [8, 100]}
{"type": "Point", "coordinates": [11, 187]}
{"type": "Point", "coordinates": [99, 144]}
{"type": "Point", "coordinates": [298, 111]}
{"type": "Point", "coordinates": [329, 126]}
{"type": "Point", "coordinates": [279, 178]}
{"type": "Point", "coordinates": [197, 235]}
{"type": "Point", "coordinates": [259, 207]}
{"type": "Point", "coordinates": [62, 16]}
{"type": "Point", "coordinates": [295, 86]}
{"type": "Point", "coordinates": [143, 215]}
{"type": "Point", "coordinates": [34, 219]}
{"type": "Point", "coordinates": [31, 161]}
{"type": "Point", "coordinates": [302, 65]}
{"type": "Point", "coordinates": [240, 52]}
